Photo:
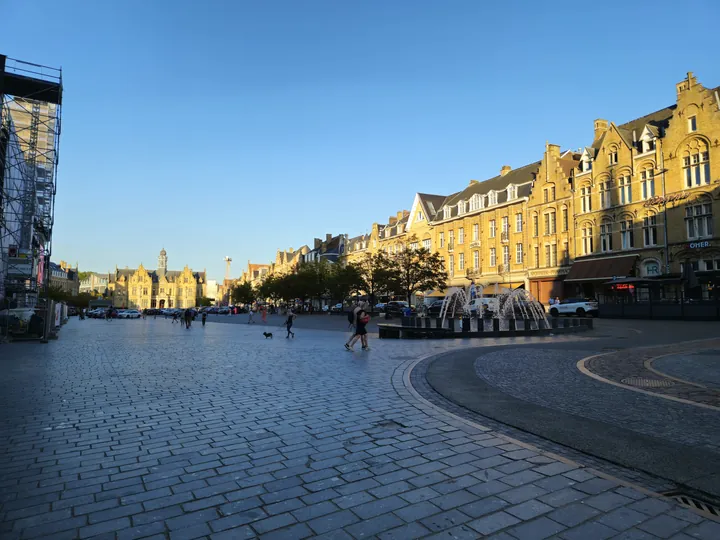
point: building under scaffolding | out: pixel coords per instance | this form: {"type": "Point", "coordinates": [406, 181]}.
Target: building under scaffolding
{"type": "Point", "coordinates": [30, 107]}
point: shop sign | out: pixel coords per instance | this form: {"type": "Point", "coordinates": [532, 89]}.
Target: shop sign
{"type": "Point", "coordinates": [699, 245]}
{"type": "Point", "coordinates": [654, 201]}
{"type": "Point", "coordinates": [623, 287]}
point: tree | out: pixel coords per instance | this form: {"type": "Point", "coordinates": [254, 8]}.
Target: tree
{"type": "Point", "coordinates": [417, 270]}
{"type": "Point", "coordinates": [205, 301]}
{"type": "Point", "coordinates": [243, 293]}
{"type": "Point", "coordinates": [271, 288]}
{"type": "Point", "coordinates": [83, 275]}
{"type": "Point", "coordinates": [344, 279]}
{"type": "Point", "coordinates": [376, 274]}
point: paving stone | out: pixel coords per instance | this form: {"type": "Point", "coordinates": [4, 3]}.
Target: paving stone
{"type": "Point", "coordinates": [595, 486]}
{"type": "Point", "coordinates": [521, 494]}
{"type": "Point", "coordinates": [483, 507]}
{"type": "Point", "coordinates": [521, 478]}
{"type": "Point", "coordinates": [650, 506]}
{"type": "Point", "coordinates": [573, 514]}
{"type": "Point", "coordinates": [663, 526]}
{"type": "Point", "coordinates": [483, 489]}
{"type": "Point", "coordinates": [607, 501]}
{"type": "Point", "coordinates": [378, 507]}
{"type": "Point", "coordinates": [275, 522]}
{"type": "Point", "coordinates": [622, 519]}
{"type": "Point", "coordinates": [333, 521]}
{"type": "Point", "coordinates": [590, 529]}
{"type": "Point", "coordinates": [417, 511]}
{"type": "Point", "coordinates": [562, 497]}
{"type": "Point", "coordinates": [537, 529]}
{"type": "Point", "coordinates": [454, 499]}
{"type": "Point", "coordinates": [708, 530]}
{"type": "Point", "coordinates": [445, 520]}
{"type": "Point", "coordinates": [354, 499]}
{"type": "Point", "coordinates": [529, 509]}
{"type": "Point", "coordinates": [369, 528]}
{"type": "Point", "coordinates": [299, 530]}
{"type": "Point", "coordinates": [493, 522]}
{"type": "Point", "coordinates": [406, 532]}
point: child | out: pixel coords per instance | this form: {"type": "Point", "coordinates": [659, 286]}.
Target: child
{"type": "Point", "coordinates": [289, 323]}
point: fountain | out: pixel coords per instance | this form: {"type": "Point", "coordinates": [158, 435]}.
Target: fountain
{"type": "Point", "coordinates": [510, 304]}
{"type": "Point", "coordinates": [488, 310]}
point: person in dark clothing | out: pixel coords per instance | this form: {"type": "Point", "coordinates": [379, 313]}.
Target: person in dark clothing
{"type": "Point", "coordinates": [361, 320]}
{"type": "Point", "coordinates": [289, 323]}
{"type": "Point", "coordinates": [188, 318]}
{"type": "Point", "coordinates": [204, 317]}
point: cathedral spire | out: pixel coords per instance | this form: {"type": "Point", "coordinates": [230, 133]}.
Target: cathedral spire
{"type": "Point", "coordinates": [162, 262]}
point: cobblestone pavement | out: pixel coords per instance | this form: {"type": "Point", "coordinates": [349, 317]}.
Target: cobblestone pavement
{"type": "Point", "coordinates": [549, 377]}
{"type": "Point", "coordinates": [702, 367]}
{"type": "Point", "coordinates": [631, 368]}
{"type": "Point", "coordinates": [137, 429]}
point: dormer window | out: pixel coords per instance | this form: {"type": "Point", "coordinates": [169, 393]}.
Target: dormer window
{"type": "Point", "coordinates": [446, 212]}
{"type": "Point", "coordinates": [613, 157]}
{"type": "Point", "coordinates": [461, 208]}
{"type": "Point", "coordinates": [492, 198]}
{"type": "Point", "coordinates": [511, 192]}
{"type": "Point", "coordinates": [387, 233]}
{"type": "Point", "coordinates": [474, 202]}
{"type": "Point", "coordinates": [481, 201]}
{"type": "Point", "coordinates": [586, 164]}
{"type": "Point", "coordinates": [419, 216]}
{"type": "Point", "coordinates": [400, 228]}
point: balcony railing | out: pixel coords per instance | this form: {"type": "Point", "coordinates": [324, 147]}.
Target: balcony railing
{"type": "Point", "coordinates": [504, 236]}
{"type": "Point", "coordinates": [451, 246]}
{"type": "Point", "coordinates": [475, 244]}
{"type": "Point", "coordinates": [473, 272]}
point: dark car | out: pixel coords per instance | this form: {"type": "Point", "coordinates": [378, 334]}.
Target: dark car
{"type": "Point", "coordinates": [397, 307]}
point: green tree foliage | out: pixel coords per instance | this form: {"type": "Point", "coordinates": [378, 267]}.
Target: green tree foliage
{"type": "Point", "coordinates": [416, 270]}
{"type": "Point", "coordinates": [376, 275]}
{"type": "Point", "coordinates": [243, 293]}
{"type": "Point", "coordinates": [344, 280]}
{"type": "Point", "coordinates": [83, 275]}
{"type": "Point", "coordinates": [204, 302]}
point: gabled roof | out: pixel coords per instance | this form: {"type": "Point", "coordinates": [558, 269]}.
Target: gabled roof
{"type": "Point", "coordinates": [521, 177]}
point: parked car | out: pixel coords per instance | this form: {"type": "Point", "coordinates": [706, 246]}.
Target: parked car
{"type": "Point", "coordinates": [575, 306]}
{"type": "Point", "coordinates": [380, 306]}
{"type": "Point", "coordinates": [223, 311]}
{"type": "Point", "coordinates": [129, 314]}
{"type": "Point", "coordinates": [396, 307]}
{"type": "Point", "coordinates": [435, 308]}
{"type": "Point", "coordinates": [477, 306]}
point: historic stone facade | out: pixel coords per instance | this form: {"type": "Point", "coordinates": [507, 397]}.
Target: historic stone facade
{"type": "Point", "coordinates": [162, 288]}
{"type": "Point", "coordinates": [640, 202]}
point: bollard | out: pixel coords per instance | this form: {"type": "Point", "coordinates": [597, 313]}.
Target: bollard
{"type": "Point", "coordinates": [527, 325]}
{"type": "Point", "coordinates": [554, 323]}
{"type": "Point", "coordinates": [589, 323]}
{"type": "Point", "coordinates": [438, 323]}
{"type": "Point", "coordinates": [576, 322]}
{"type": "Point", "coordinates": [496, 326]}
{"type": "Point", "coordinates": [480, 325]}
{"type": "Point", "coordinates": [428, 321]}
{"type": "Point", "coordinates": [405, 321]}
{"type": "Point", "coordinates": [512, 326]}
{"type": "Point", "coordinates": [465, 325]}
{"type": "Point", "coordinates": [451, 324]}
{"type": "Point", "coordinates": [566, 323]}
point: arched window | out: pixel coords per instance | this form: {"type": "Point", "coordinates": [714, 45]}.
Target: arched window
{"type": "Point", "coordinates": [627, 232]}
{"type": "Point", "coordinates": [699, 219]}
{"type": "Point", "coordinates": [624, 188]}
{"type": "Point", "coordinates": [612, 155]}
{"type": "Point", "coordinates": [474, 202]}
{"type": "Point", "coordinates": [647, 181]}
{"type": "Point", "coordinates": [696, 163]}
{"type": "Point", "coordinates": [586, 198]}
{"type": "Point", "coordinates": [650, 234]}
{"type": "Point", "coordinates": [606, 236]}
{"type": "Point", "coordinates": [587, 238]}
{"type": "Point", "coordinates": [605, 196]}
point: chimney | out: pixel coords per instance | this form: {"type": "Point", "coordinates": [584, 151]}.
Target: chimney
{"type": "Point", "coordinates": [328, 237]}
{"type": "Point", "coordinates": [291, 250]}
{"type": "Point", "coordinates": [505, 169]}
{"type": "Point", "coordinates": [400, 215]}
{"type": "Point", "coordinates": [317, 243]}
{"type": "Point", "coordinates": [392, 220]}
{"type": "Point", "coordinates": [601, 126]}
{"type": "Point", "coordinates": [473, 182]}
{"type": "Point", "coordinates": [553, 150]}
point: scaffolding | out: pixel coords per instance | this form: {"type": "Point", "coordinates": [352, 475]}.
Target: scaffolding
{"type": "Point", "coordinates": [30, 112]}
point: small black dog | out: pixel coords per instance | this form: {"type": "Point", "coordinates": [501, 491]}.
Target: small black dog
{"type": "Point", "coordinates": [267, 335]}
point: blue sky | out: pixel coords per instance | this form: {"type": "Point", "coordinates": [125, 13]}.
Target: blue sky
{"type": "Point", "coordinates": [235, 128]}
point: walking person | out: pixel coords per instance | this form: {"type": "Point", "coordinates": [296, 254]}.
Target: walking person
{"type": "Point", "coordinates": [289, 323]}
{"type": "Point", "coordinates": [188, 318]}
{"type": "Point", "coordinates": [251, 316]}
{"type": "Point", "coordinates": [361, 320]}
{"type": "Point", "coordinates": [175, 317]}
{"type": "Point", "coordinates": [263, 314]}
{"type": "Point", "coordinates": [204, 317]}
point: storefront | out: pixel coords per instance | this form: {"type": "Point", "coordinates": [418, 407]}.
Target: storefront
{"type": "Point", "coordinates": [544, 285]}
{"type": "Point", "coordinates": [587, 278]}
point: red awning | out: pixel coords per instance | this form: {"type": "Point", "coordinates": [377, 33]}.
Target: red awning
{"type": "Point", "coordinates": [602, 269]}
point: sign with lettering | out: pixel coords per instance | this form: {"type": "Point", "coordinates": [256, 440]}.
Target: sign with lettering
{"type": "Point", "coordinates": [699, 245]}
{"type": "Point", "coordinates": [654, 201]}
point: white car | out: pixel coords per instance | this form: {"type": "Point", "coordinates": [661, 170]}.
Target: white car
{"type": "Point", "coordinates": [129, 314]}
{"type": "Point", "coordinates": [475, 305]}
{"type": "Point", "coordinates": [575, 306]}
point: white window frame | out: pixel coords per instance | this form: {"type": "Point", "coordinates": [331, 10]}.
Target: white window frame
{"type": "Point", "coordinates": [627, 234]}
{"type": "Point", "coordinates": [493, 228]}
{"type": "Point", "coordinates": [511, 192]}
{"type": "Point", "coordinates": [476, 259]}
{"type": "Point", "coordinates": [461, 208]}
{"type": "Point", "coordinates": [451, 267]}
{"type": "Point", "coordinates": [696, 169]}
{"type": "Point", "coordinates": [699, 221]}
{"type": "Point", "coordinates": [625, 188]}
{"type": "Point", "coordinates": [476, 232]}
{"type": "Point", "coordinates": [461, 235]}
{"type": "Point", "coordinates": [606, 237]}
{"type": "Point", "coordinates": [461, 262]}
{"type": "Point", "coordinates": [647, 183]}
{"type": "Point", "coordinates": [518, 222]}
{"type": "Point", "coordinates": [492, 198]}
{"type": "Point", "coordinates": [586, 199]}
{"type": "Point", "coordinates": [692, 123]}
{"type": "Point", "coordinates": [587, 240]}
{"type": "Point", "coordinates": [442, 239]}
{"type": "Point", "coordinates": [427, 244]}
{"type": "Point", "coordinates": [506, 256]}
{"type": "Point", "coordinates": [650, 234]}
{"type": "Point", "coordinates": [493, 258]}
{"type": "Point", "coordinates": [505, 224]}
{"type": "Point", "coordinates": [519, 253]}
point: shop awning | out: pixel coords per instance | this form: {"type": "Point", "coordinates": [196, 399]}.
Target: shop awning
{"type": "Point", "coordinates": [601, 269]}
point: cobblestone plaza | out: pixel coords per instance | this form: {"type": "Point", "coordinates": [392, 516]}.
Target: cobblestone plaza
{"type": "Point", "coordinates": [137, 429]}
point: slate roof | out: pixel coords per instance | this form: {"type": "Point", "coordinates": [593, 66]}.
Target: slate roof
{"type": "Point", "coordinates": [432, 204]}
{"type": "Point", "coordinates": [521, 177]}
